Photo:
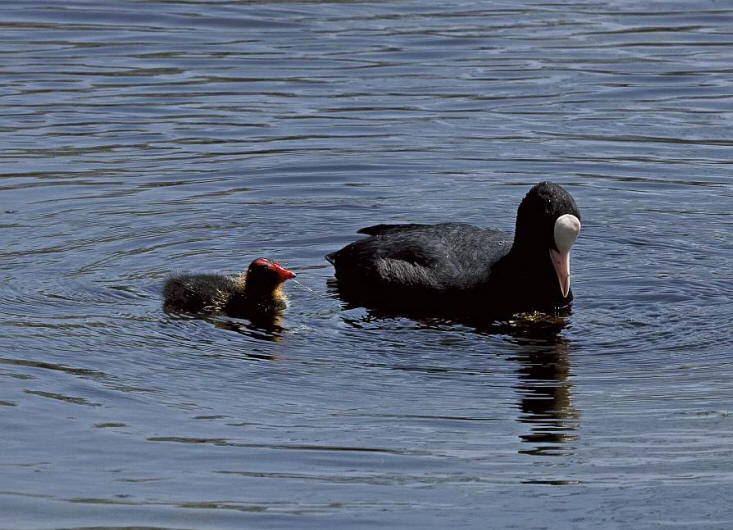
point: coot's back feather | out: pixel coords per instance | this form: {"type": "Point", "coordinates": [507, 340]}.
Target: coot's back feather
{"type": "Point", "coordinates": [384, 228]}
{"type": "Point", "coordinates": [437, 258]}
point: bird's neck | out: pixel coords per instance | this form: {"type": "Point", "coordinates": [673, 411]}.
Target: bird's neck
{"type": "Point", "coordinates": [266, 297]}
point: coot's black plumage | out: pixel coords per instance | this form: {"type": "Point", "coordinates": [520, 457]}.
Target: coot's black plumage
{"type": "Point", "coordinates": [457, 269]}
{"type": "Point", "coordinates": [253, 294]}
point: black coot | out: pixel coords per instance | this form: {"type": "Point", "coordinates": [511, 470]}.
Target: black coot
{"type": "Point", "coordinates": [254, 293]}
{"type": "Point", "coordinates": [456, 269]}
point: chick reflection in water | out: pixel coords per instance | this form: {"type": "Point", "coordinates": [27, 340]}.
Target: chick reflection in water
{"type": "Point", "coordinates": [256, 294]}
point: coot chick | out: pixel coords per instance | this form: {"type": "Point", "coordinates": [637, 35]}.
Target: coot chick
{"type": "Point", "coordinates": [253, 294]}
{"type": "Point", "coordinates": [460, 270]}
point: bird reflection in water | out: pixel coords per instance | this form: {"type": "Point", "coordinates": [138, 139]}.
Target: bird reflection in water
{"type": "Point", "coordinates": [542, 356]}
{"type": "Point", "coordinates": [264, 330]}
{"type": "Point", "coordinates": [546, 393]}
{"type": "Point", "coordinates": [267, 328]}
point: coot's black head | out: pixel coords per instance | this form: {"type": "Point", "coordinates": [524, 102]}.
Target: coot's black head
{"type": "Point", "coordinates": [548, 222]}
{"type": "Point", "coordinates": [265, 273]}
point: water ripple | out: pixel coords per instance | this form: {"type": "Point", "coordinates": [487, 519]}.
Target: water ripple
{"type": "Point", "coordinates": [195, 136]}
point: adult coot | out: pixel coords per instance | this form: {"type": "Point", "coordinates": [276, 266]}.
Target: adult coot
{"type": "Point", "coordinates": [456, 269]}
{"type": "Point", "coordinates": [254, 293]}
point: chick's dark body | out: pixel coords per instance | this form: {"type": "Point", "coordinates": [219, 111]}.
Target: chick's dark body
{"type": "Point", "coordinates": [216, 293]}
{"type": "Point", "coordinates": [256, 293]}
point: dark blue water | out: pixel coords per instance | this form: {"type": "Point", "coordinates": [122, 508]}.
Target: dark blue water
{"type": "Point", "coordinates": [143, 138]}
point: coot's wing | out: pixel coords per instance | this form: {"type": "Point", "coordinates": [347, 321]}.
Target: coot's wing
{"type": "Point", "coordinates": [420, 258]}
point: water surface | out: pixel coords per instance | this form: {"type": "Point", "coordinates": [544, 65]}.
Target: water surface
{"type": "Point", "coordinates": [142, 138]}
